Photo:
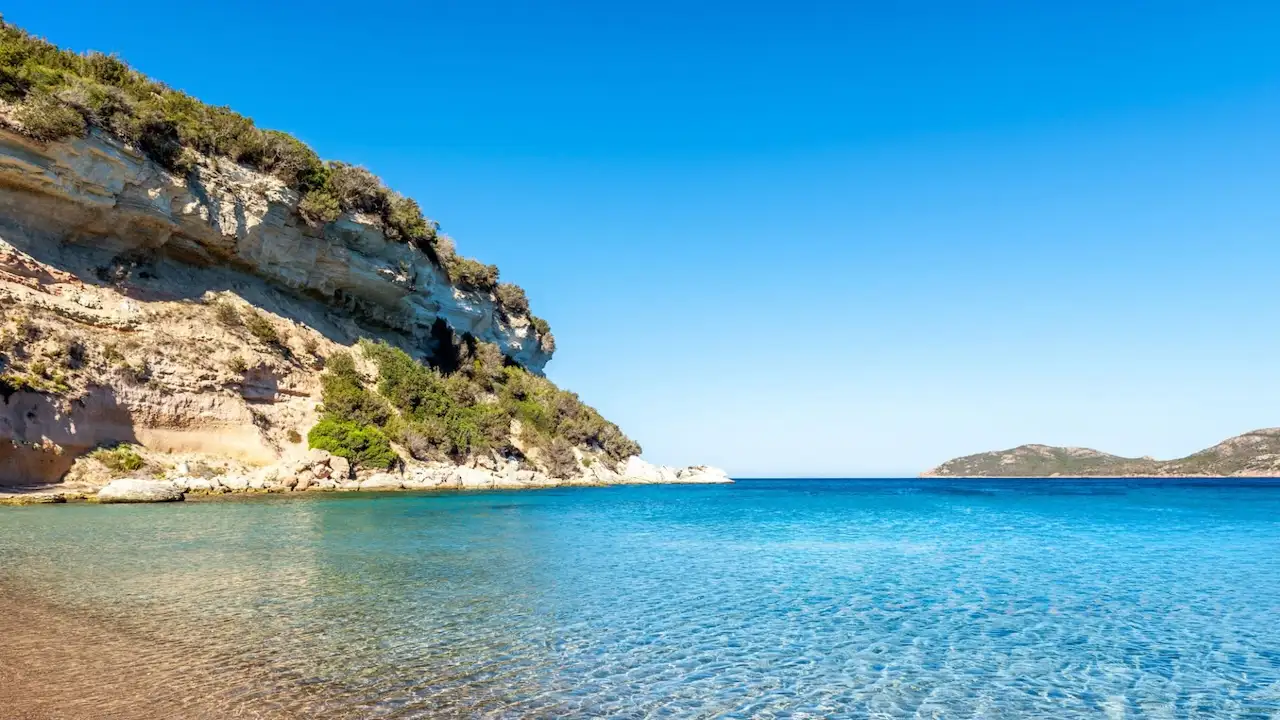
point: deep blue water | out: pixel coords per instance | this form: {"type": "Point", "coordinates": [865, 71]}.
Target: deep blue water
{"type": "Point", "coordinates": [767, 598]}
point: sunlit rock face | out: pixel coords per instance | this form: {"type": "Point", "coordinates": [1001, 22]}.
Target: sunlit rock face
{"type": "Point", "coordinates": [96, 191]}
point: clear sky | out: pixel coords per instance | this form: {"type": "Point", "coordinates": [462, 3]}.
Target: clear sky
{"type": "Point", "coordinates": [813, 238]}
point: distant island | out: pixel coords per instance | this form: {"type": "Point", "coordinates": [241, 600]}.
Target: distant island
{"type": "Point", "coordinates": [1253, 454]}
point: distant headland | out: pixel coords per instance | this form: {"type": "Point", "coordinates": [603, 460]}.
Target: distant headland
{"type": "Point", "coordinates": [1253, 454]}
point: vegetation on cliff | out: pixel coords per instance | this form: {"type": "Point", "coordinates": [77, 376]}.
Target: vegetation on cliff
{"type": "Point", "coordinates": [463, 406]}
{"type": "Point", "coordinates": [57, 94]}
{"type": "Point", "coordinates": [1254, 453]}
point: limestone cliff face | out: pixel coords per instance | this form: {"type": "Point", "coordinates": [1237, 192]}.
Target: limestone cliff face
{"type": "Point", "coordinates": [97, 192]}
{"type": "Point", "coordinates": [190, 316]}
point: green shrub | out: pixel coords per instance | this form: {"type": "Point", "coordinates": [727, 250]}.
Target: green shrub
{"type": "Point", "coordinates": [425, 439]}
{"type": "Point", "coordinates": [226, 313]}
{"type": "Point", "coordinates": [349, 401]}
{"type": "Point", "coordinates": [357, 189]}
{"type": "Point", "coordinates": [342, 364]}
{"type": "Point", "coordinates": [364, 445]}
{"type": "Point", "coordinates": [11, 383]}
{"type": "Point", "coordinates": [157, 136]}
{"type": "Point", "coordinates": [319, 207]}
{"type": "Point", "coordinates": [512, 299]}
{"type": "Point", "coordinates": [120, 460]}
{"type": "Point", "coordinates": [292, 161]}
{"type": "Point", "coordinates": [561, 460]}
{"type": "Point", "coordinates": [455, 414]}
{"type": "Point", "coordinates": [483, 363]}
{"type": "Point", "coordinates": [545, 338]}
{"type": "Point", "coordinates": [261, 328]}
{"type": "Point", "coordinates": [107, 69]}
{"type": "Point", "coordinates": [102, 105]}
{"type": "Point", "coordinates": [404, 221]}
{"type": "Point", "coordinates": [470, 274]}
{"type": "Point", "coordinates": [48, 119]}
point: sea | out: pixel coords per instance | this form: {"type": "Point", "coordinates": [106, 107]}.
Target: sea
{"type": "Point", "coordinates": [859, 598]}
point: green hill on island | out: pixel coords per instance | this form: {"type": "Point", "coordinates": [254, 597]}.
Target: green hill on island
{"type": "Point", "coordinates": [1255, 454]}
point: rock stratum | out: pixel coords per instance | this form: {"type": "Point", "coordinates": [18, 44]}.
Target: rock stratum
{"type": "Point", "coordinates": [188, 317]}
{"type": "Point", "coordinates": [1253, 454]}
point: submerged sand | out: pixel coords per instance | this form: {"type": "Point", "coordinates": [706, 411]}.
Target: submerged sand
{"type": "Point", "coordinates": [57, 664]}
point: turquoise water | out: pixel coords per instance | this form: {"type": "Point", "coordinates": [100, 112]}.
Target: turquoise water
{"type": "Point", "coordinates": [878, 599]}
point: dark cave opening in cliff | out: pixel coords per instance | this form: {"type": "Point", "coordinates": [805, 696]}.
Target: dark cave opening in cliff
{"type": "Point", "coordinates": [446, 352]}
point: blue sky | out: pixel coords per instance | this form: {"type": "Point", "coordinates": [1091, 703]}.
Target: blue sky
{"type": "Point", "coordinates": [800, 238]}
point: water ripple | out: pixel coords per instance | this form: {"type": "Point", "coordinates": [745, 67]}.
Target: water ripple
{"type": "Point", "coordinates": [905, 599]}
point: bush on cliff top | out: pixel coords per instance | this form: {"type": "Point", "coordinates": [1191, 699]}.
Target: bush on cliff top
{"type": "Point", "coordinates": [59, 93]}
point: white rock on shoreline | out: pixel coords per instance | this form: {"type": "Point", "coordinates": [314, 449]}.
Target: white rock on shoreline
{"type": "Point", "coordinates": [132, 490]}
{"type": "Point", "coordinates": [643, 472]}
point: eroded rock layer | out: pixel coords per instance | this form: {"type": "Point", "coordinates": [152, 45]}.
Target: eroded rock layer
{"type": "Point", "coordinates": [188, 318]}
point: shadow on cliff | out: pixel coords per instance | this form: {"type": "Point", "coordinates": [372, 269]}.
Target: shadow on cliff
{"type": "Point", "coordinates": [176, 272]}
{"type": "Point", "coordinates": [41, 436]}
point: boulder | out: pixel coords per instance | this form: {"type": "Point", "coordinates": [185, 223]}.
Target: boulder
{"type": "Point", "coordinates": [33, 499]}
{"type": "Point", "coordinates": [474, 478]}
{"type": "Point", "coordinates": [200, 485]}
{"type": "Point", "coordinates": [340, 467]}
{"type": "Point", "coordinates": [431, 477]}
{"type": "Point", "coordinates": [302, 483]}
{"type": "Point", "coordinates": [234, 483]}
{"type": "Point", "coordinates": [317, 456]}
{"type": "Point", "coordinates": [321, 471]}
{"type": "Point", "coordinates": [133, 490]}
{"type": "Point", "coordinates": [602, 473]}
{"type": "Point", "coordinates": [287, 481]}
{"type": "Point", "coordinates": [641, 470]}
{"type": "Point", "coordinates": [382, 481]}
{"type": "Point", "coordinates": [702, 474]}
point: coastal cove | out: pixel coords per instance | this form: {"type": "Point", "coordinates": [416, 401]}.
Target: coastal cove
{"type": "Point", "coordinates": [760, 598]}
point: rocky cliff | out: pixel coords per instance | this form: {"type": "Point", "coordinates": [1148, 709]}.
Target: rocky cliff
{"type": "Point", "coordinates": [1253, 454]}
{"type": "Point", "coordinates": [188, 316]}
{"type": "Point", "coordinates": [97, 193]}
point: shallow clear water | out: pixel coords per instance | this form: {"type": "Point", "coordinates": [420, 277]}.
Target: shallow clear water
{"type": "Point", "coordinates": [887, 599]}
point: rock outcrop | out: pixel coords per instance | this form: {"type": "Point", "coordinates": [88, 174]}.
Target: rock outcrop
{"type": "Point", "coordinates": [97, 192]}
{"type": "Point", "coordinates": [190, 316]}
{"type": "Point", "coordinates": [132, 490]}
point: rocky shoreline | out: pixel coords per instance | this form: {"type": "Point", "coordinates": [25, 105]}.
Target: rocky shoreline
{"type": "Point", "coordinates": [321, 471]}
